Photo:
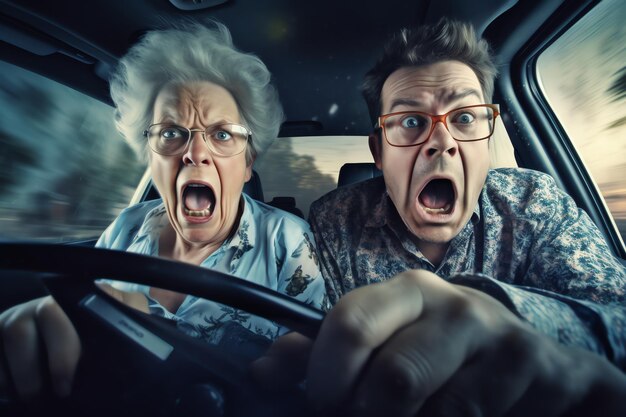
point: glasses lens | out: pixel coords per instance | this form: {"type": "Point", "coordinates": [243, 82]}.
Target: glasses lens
{"type": "Point", "coordinates": [227, 139]}
{"type": "Point", "coordinates": [167, 139]}
{"type": "Point", "coordinates": [407, 129]}
{"type": "Point", "coordinates": [471, 123]}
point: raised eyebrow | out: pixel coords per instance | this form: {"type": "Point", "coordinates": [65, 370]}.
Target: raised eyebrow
{"type": "Point", "coordinates": [165, 116]}
{"type": "Point", "coordinates": [404, 102]}
{"type": "Point", "coordinates": [168, 121]}
{"type": "Point", "coordinates": [221, 122]}
{"type": "Point", "coordinates": [458, 95]}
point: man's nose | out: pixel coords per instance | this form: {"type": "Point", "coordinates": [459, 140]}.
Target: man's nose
{"type": "Point", "coordinates": [197, 152]}
{"type": "Point", "coordinates": [440, 142]}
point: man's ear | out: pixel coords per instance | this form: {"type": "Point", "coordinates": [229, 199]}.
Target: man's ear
{"type": "Point", "coordinates": [376, 149]}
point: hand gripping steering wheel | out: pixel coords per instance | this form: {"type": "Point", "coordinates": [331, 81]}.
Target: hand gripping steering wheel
{"type": "Point", "coordinates": [137, 364]}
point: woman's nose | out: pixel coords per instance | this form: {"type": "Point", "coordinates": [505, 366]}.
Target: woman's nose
{"type": "Point", "coordinates": [197, 152]}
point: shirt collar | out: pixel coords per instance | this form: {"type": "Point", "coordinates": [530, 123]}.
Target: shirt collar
{"type": "Point", "coordinates": [154, 221]}
{"type": "Point", "coordinates": [244, 237]}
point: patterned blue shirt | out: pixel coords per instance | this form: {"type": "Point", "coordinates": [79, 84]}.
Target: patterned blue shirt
{"type": "Point", "coordinates": [271, 248]}
{"type": "Point", "coordinates": [526, 244]}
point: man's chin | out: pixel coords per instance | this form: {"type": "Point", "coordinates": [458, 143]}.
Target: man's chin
{"type": "Point", "coordinates": [439, 235]}
{"type": "Point", "coordinates": [435, 233]}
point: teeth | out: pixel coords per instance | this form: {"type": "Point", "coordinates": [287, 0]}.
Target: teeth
{"type": "Point", "coordinates": [198, 213]}
{"type": "Point", "coordinates": [439, 210]}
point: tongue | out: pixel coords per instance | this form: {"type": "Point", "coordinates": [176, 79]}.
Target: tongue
{"type": "Point", "coordinates": [437, 194]}
{"type": "Point", "coordinates": [198, 198]}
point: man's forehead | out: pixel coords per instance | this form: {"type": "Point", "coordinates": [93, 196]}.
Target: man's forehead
{"type": "Point", "coordinates": [442, 82]}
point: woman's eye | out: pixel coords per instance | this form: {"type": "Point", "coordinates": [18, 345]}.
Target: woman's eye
{"type": "Point", "coordinates": [222, 135]}
{"type": "Point", "coordinates": [170, 134]}
{"type": "Point", "coordinates": [412, 122]}
{"type": "Point", "coordinates": [464, 118]}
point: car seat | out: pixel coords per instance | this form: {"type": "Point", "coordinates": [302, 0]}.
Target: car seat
{"type": "Point", "coordinates": [355, 172]}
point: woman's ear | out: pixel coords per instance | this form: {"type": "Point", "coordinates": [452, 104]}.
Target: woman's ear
{"type": "Point", "coordinates": [249, 170]}
{"type": "Point", "coordinates": [376, 148]}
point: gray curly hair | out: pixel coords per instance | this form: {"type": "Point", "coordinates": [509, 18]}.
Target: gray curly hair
{"type": "Point", "coordinates": [187, 52]}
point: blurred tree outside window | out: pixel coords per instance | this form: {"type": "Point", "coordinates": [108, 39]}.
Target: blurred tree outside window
{"type": "Point", "coordinates": [65, 171]}
{"type": "Point", "coordinates": [583, 75]}
{"type": "Point", "coordinates": [308, 167]}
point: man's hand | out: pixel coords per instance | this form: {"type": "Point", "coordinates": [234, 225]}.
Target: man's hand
{"type": "Point", "coordinates": [39, 345]}
{"type": "Point", "coordinates": [417, 344]}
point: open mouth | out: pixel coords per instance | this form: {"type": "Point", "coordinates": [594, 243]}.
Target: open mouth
{"type": "Point", "coordinates": [437, 197]}
{"type": "Point", "coordinates": [198, 200]}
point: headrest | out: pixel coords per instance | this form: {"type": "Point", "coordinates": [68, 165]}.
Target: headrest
{"type": "Point", "coordinates": [287, 204]}
{"type": "Point", "coordinates": [356, 172]}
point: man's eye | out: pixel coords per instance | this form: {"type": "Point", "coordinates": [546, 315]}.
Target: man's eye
{"type": "Point", "coordinates": [464, 118]}
{"type": "Point", "coordinates": [222, 135]}
{"type": "Point", "coordinates": [413, 121]}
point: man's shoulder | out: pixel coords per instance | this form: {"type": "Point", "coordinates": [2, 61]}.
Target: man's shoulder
{"type": "Point", "coordinates": [354, 200]}
{"type": "Point", "coordinates": [520, 176]}
{"type": "Point", "coordinates": [522, 192]}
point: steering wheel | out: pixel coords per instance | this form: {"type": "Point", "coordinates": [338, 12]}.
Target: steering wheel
{"type": "Point", "coordinates": [134, 363]}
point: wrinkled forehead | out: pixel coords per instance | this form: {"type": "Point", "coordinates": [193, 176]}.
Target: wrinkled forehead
{"type": "Point", "coordinates": [433, 87]}
{"type": "Point", "coordinates": [202, 99]}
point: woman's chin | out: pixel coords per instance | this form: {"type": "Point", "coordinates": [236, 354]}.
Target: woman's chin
{"type": "Point", "coordinates": [197, 228]}
{"type": "Point", "coordinates": [199, 235]}
{"type": "Point", "coordinates": [207, 228]}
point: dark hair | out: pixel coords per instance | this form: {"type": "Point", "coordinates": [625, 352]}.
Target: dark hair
{"type": "Point", "coordinates": [425, 45]}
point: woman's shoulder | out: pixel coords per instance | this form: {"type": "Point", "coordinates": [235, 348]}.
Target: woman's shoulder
{"type": "Point", "coordinates": [128, 222]}
{"type": "Point", "coordinates": [279, 230]}
{"type": "Point", "coordinates": [138, 213]}
{"type": "Point", "coordinates": [272, 217]}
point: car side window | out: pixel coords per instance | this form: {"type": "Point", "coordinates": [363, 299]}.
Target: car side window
{"type": "Point", "coordinates": [583, 77]}
{"type": "Point", "coordinates": [65, 172]}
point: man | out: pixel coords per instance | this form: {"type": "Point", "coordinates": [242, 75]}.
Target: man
{"type": "Point", "coordinates": [477, 276]}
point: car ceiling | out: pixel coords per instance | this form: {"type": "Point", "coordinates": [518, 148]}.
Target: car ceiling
{"type": "Point", "coordinates": [317, 51]}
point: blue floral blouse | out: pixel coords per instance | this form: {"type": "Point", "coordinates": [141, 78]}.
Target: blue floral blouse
{"type": "Point", "coordinates": [271, 248]}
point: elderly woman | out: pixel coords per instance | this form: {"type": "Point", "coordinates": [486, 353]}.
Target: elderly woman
{"type": "Point", "coordinates": [199, 112]}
